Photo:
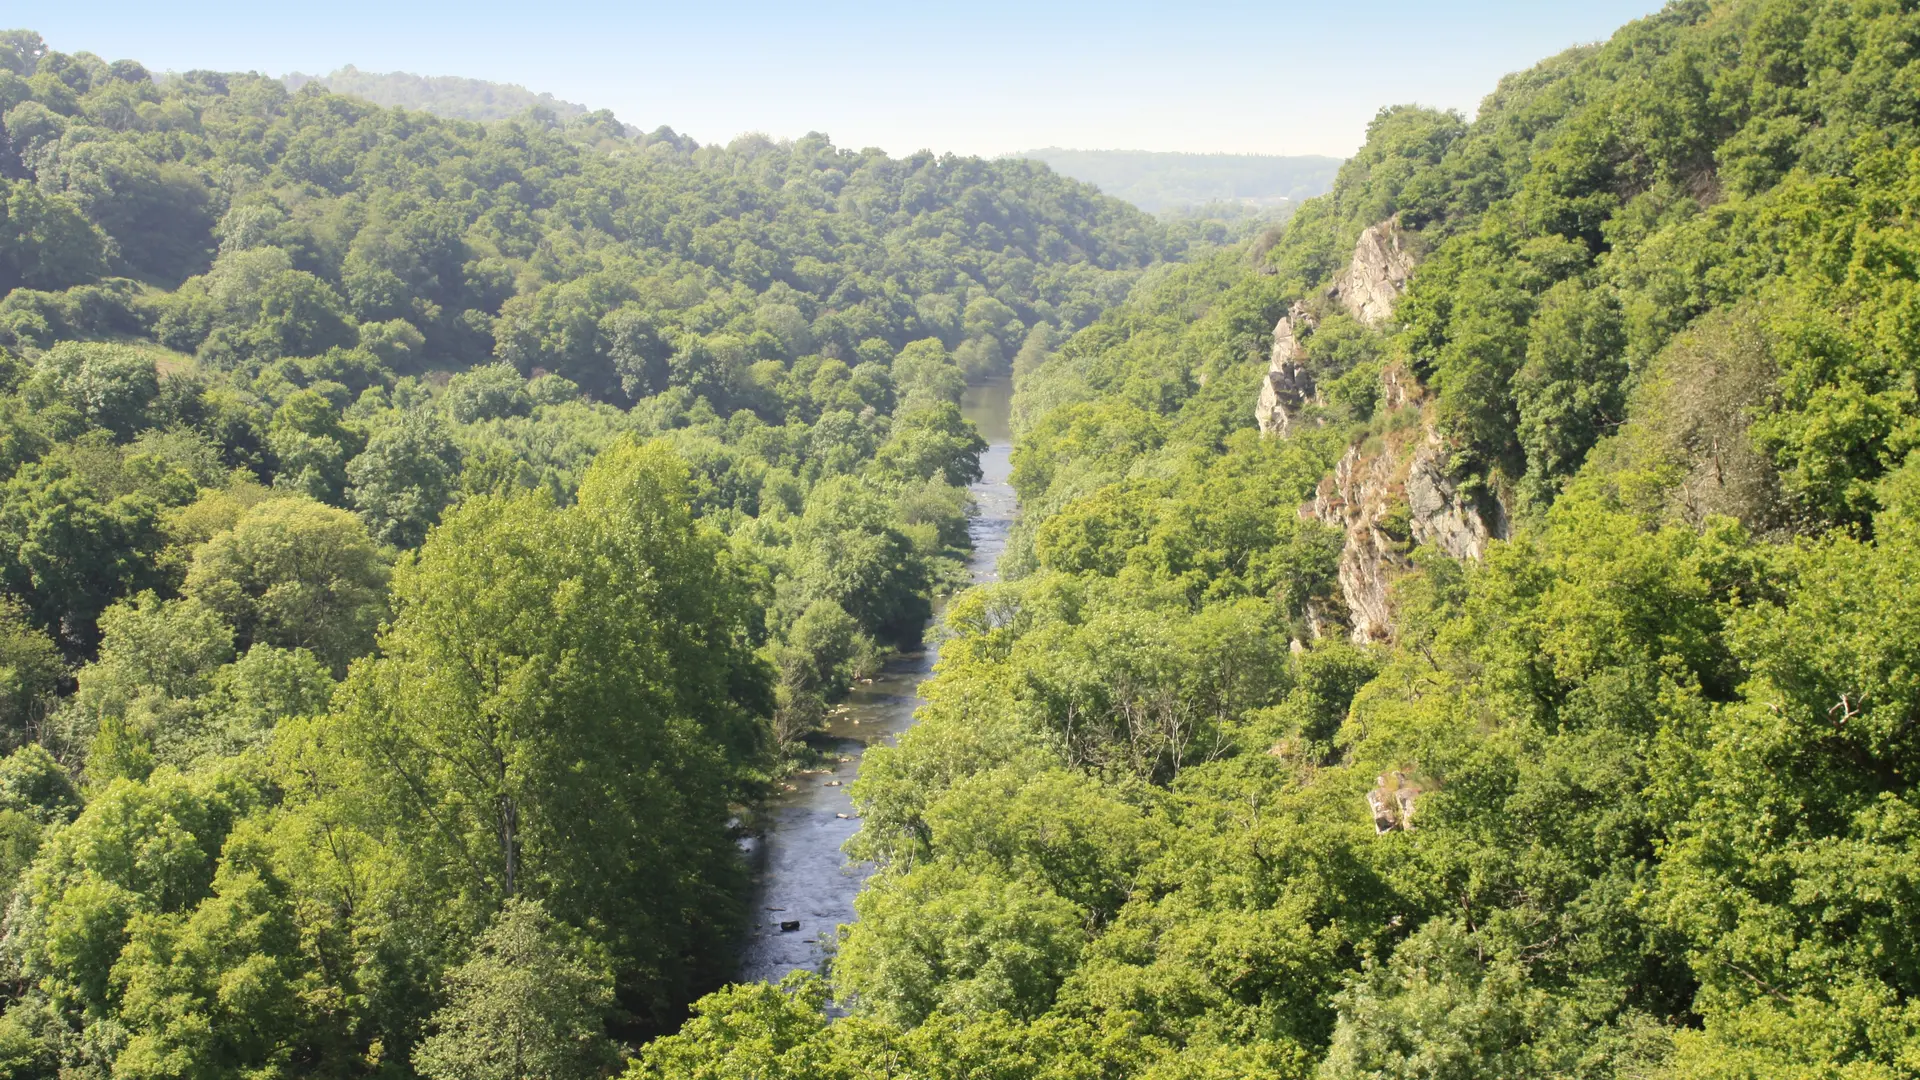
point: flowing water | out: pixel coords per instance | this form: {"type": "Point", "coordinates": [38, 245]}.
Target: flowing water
{"type": "Point", "coordinates": [803, 877]}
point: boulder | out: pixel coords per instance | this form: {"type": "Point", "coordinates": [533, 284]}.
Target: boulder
{"type": "Point", "coordinates": [1392, 801]}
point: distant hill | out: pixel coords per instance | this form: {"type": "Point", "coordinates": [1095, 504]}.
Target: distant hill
{"type": "Point", "coordinates": [1157, 182]}
{"type": "Point", "coordinates": [442, 95]}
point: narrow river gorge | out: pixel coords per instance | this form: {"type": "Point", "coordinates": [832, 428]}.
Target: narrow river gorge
{"type": "Point", "coordinates": [804, 877]}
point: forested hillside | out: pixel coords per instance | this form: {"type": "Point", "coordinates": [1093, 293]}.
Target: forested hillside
{"type": "Point", "coordinates": [1469, 631]}
{"type": "Point", "coordinates": [422, 543]}
{"type": "Point", "coordinates": [1527, 690]}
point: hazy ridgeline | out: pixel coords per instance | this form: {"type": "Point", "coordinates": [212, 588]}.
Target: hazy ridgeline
{"type": "Point", "coordinates": [449, 96]}
{"type": "Point", "coordinates": [1159, 182]}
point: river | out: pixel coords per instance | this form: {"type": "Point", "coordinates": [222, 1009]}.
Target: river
{"type": "Point", "coordinates": [803, 877]}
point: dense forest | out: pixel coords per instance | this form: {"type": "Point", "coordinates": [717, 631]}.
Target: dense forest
{"type": "Point", "coordinates": [424, 542]}
{"type": "Point", "coordinates": [1624, 789]}
{"type": "Point", "coordinates": [1159, 182]}
{"type": "Point", "coordinates": [1468, 630]}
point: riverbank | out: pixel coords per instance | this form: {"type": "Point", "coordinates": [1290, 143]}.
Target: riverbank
{"type": "Point", "coordinates": [802, 875]}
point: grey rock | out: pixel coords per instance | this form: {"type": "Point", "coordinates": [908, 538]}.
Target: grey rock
{"type": "Point", "coordinates": [1356, 499]}
{"type": "Point", "coordinates": [1288, 385]}
{"type": "Point", "coordinates": [1378, 274]}
{"type": "Point", "coordinates": [1360, 498]}
{"type": "Point", "coordinates": [1441, 517]}
{"type": "Point", "coordinates": [1392, 802]}
{"type": "Point", "coordinates": [1398, 388]}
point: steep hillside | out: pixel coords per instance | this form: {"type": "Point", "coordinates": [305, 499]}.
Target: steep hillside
{"type": "Point", "coordinates": [1466, 633]}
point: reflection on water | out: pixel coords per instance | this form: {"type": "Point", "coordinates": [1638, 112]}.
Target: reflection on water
{"type": "Point", "coordinates": [803, 876]}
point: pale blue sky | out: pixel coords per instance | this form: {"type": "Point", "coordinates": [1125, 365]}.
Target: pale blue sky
{"type": "Point", "coordinates": [985, 77]}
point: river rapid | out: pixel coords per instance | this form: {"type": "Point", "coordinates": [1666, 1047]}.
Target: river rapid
{"type": "Point", "coordinates": [802, 875]}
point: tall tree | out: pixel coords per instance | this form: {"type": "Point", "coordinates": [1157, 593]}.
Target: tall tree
{"type": "Point", "coordinates": [563, 709]}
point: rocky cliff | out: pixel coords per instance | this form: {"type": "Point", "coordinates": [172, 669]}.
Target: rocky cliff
{"type": "Point", "coordinates": [1376, 276]}
{"type": "Point", "coordinates": [1388, 494]}
{"type": "Point", "coordinates": [1359, 498]}
{"type": "Point", "coordinates": [1391, 491]}
{"type": "Point", "coordinates": [1288, 385]}
{"type": "Point", "coordinates": [1438, 514]}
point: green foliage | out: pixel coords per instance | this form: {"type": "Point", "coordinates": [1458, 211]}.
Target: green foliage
{"type": "Point", "coordinates": [1788, 874]}
{"type": "Point", "coordinates": [33, 783]}
{"type": "Point", "coordinates": [45, 241]}
{"type": "Point", "coordinates": [1572, 388]}
{"type": "Point", "coordinates": [848, 552]}
{"type": "Point", "coordinates": [71, 544]}
{"type": "Point", "coordinates": [570, 698]}
{"type": "Point", "coordinates": [813, 662]}
{"type": "Point", "coordinates": [748, 1030]}
{"type": "Point", "coordinates": [296, 575]}
{"type": "Point", "coordinates": [313, 446]}
{"type": "Point", "coordinates": [30, 671]}
{"type": "Point", "coordinates": [137, 703]}
{"type": "Point", "coordinates": [403, 479]}
{"type": "Point", "coordinates": [932, 441]}
{"type": "Point", "coordinates": [1621, 797]}
{"type": "Point", "coordinates": [662, 445]}
{"type": "Point", "coordinates": [935, 939]}
{"type": "Point", "coordinates": [215, 989]}
{"type": "Point", "coordinates": [529, 1004]}
{"type": "Point", "coordinates": [486, 393]}
{"type": "Point", "coordinates": [138, 875]}
{"type": "Point", "coordinates": [111, 386]}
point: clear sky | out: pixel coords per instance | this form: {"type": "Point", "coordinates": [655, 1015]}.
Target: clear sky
{"type": "Point", "coordinates": [985, 77]}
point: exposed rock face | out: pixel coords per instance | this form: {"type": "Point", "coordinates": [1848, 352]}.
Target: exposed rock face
{"type": "Point", "coordinates": [1439, 516]}
{"type": "Point", "coordinates": [1377, 276]}
{"type": "Point", "coordinates": [1386, 499]}
{"type": "Point", "coordinates": [1398, 388]}
{"type": "Point", "coordinates": [1368, 288]}
{"type": "Point", "coordinates": [1288, 385]}
{"type": "Point", "coordinates": [1386, 494]}
{"type": "Point", "coordinates": [1357, 499]}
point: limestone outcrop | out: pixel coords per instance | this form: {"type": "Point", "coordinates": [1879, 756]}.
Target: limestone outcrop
{"type": "Point", "coordinates": [1368, 288]}
{"type": "Point", "coordinates": [1388, 494]}
{"type": "Point", "coordinates": [1357, 499]}
{"type": "Point", "coordinates": [1288, 385]}
{"type": "Point", "coordinates": [1399, 388]}
{"type": "Point", "coordinates": [1378, 274]}
{"type": "Point", "coordinates": [1392, 802]}
{"type": "Point", "coordinates": [1439, 515]}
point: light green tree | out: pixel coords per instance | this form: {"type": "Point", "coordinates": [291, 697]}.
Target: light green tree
{"type": "Point", "coordinates": [295, 574]}
{"type": "Point", "coordinates": [962, 942]}
{"type": "Point", "coordinates": [564, 706]}
{"type": "Point", "coordinates": [313, 446]}
{"type": "Point", "coordinates": [529, 1005]}
{"type": "Point", "coordinates": [30, 671]}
